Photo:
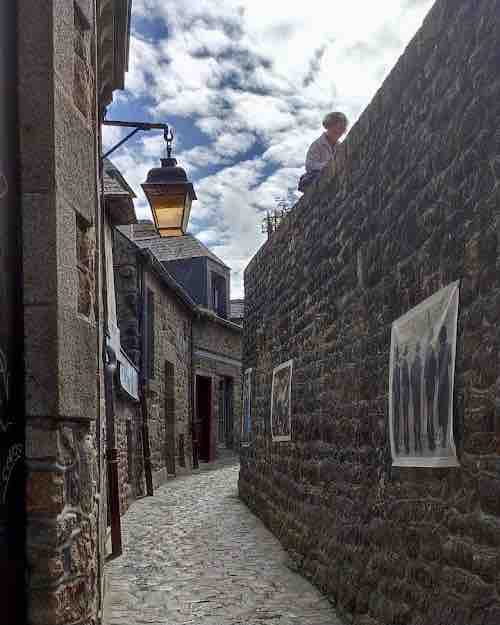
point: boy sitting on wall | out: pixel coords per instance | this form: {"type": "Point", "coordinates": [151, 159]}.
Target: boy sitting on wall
{"type": "Point", "coordinates": [322, 151]}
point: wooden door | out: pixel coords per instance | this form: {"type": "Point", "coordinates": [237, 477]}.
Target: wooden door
{"type": "Point", "coordinates": [203, 430]}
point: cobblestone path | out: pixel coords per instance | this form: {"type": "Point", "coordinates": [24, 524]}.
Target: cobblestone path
{"type": "Point", "coordinates": [195, 555]}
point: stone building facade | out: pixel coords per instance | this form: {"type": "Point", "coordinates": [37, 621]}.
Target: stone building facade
{"type": "Point", "coordinates": [61, 61]}
{"type": "Point", "coordinates": [216, 341]}
{"type": "Point", "coordinates": [155, 316]}
{"type": "Point", "coordinates": [124, 431]}
{"type": "Point", "coordinates": [168, 377]}
{"type": "Point", "coordinates": [410, 204]}
{"type": "Point", "coordinates": [217, 369]}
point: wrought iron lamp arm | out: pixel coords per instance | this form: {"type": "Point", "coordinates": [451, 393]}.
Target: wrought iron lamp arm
{"type": "Point", "coordinates": [136, 126]}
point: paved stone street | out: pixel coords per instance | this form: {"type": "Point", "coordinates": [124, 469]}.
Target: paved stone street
{"type": "Point", "coordinates": [194, 554]}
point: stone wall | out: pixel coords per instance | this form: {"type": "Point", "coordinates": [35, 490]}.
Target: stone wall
{"type": "Point", "coordinates": [128, 433]}
{"type": "Point", "coordinates": [127, 290]}
{"type": "Point", "coordinates": [217, 335]}
{"type": "Point", "coordinates": [169, 422]}
{"type": "Point", "coordinates": [410, 204]}
{"type": "Point", "coordinates": [65, 525]}
{"type": "Point", "coordinates": [170, 439]}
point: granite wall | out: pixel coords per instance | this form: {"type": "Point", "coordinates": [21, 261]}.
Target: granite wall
{"type": "Point", "coordinates": [167, 390]}
{"type": "Point", "coordinates": [65, 472]}
{"type": "Point", "coordinates": [411, 203]}
{"type": "Point", "coordinates": [128, 433]}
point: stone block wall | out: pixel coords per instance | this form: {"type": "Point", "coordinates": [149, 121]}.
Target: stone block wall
{"type": "Point", "coordinates": [411, 203]}
{"type": "Point", "coordinates": [128, 432]}
{"type": "Point", "coordinates": [65, 517]}
{"type": "Point", "coordinates": [172, 345]}
{"type": "Point", "coordinates": [170, 452]}
{"type": "Point", "coordinates": [127, 291]}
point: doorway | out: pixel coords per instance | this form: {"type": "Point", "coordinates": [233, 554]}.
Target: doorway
{"type": "Point", "coordinates": [203, 416]}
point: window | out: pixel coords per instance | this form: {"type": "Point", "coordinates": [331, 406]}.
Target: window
{"type": "Point", "coordinates": [85, 265]}
{"type": "Point", "coordinates": [219, 295]}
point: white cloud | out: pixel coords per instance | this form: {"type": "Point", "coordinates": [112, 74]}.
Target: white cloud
{"type": "Point", "coordinates": [254, 74]}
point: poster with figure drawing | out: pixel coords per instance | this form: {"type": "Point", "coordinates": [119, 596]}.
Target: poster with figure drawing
{"type": "Point", "coordinates": [281, 402]}
{"type": "Point", "coordinates": [246, 421]}
{"type": "Point", "coordinates": [421, 378]}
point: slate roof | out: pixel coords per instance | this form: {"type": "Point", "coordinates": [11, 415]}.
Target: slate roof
{"type": "Point", "coordinates": [118, 195]}
{"type": "Point", "coordinates": [237, 309]}
{"type": "Point", "coordinates": [177, 248]}
{"type": "Point", "coordinates": [114, 183]}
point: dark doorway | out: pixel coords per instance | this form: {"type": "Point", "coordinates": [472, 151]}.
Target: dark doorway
{"type": "Point", "coordinates": [203, 416]}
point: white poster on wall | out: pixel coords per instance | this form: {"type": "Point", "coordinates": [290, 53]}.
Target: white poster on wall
{"type": "Point", "coordinates": [281, 402]}
{"type": "Point", "coordinates": [421, 378]}
{"type": "Point", "coordinates": [246, 420]}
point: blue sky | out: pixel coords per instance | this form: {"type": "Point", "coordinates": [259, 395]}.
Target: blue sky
{"type": "Point", "coordinates": [245, 84]}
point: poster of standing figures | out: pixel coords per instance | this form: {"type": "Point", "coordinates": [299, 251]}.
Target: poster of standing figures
{"type": "Point", "coordinates": [421, 378]}
{"type": "Point", "coordinates": [281, 402]}
{"type": "Point", "coordinates": [246, 421]}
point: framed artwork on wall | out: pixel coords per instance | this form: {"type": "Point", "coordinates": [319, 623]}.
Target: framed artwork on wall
{"type": "Point", "coordinates": [246, 419]}
{"type": "Point", "coordinates": [421, 379]}
{"type": "Point", "coordinates": [281, 402]}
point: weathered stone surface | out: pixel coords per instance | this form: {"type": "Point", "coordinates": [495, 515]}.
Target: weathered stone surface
{"type": "Point", "coordinates": [128, 432]}
{"type": "Point", "coordinates": [410, 204]}
{"type": "Point", "coordinates": [168, 422]}
{"type": "Point", "coordinates": [45, 492]}
{"type": "Point", "coordinates": [58, 184]}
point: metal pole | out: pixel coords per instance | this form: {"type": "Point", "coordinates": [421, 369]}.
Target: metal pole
{"type": "Point", "coordinates": [112, 454]}
{"type": "Point", "coordinates": [137, 126]}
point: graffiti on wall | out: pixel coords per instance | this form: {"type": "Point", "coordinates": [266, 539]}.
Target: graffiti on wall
{"type": "Point", "coordinates": [281, 402]}
{"type": "Point", "coordinates": [421, 378]}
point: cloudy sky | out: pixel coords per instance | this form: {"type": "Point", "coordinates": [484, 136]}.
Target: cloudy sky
{"type": "Point", "coordinates": [245, 84]}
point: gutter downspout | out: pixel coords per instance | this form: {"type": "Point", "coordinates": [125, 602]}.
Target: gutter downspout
{"type": "Point", "coordinates": [148, 474]}
{"type": "Point", "coordinates": [112, 454]}
{"type": "Point", "coordinates": [110, 366]}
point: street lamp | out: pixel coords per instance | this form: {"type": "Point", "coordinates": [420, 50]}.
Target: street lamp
{"type": "Point", "coordinates": [169, 194]}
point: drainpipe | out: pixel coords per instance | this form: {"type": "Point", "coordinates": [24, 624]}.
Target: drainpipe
{"type": "Point", "coordinates": [110, 366]}
{"type": "Point", "coordinates": [112, 453]}
{"type": "Point", "coordinates": [148, 473]}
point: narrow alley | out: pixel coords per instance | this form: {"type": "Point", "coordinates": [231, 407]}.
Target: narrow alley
{"type": "Point", "coordinates": [194, 554]}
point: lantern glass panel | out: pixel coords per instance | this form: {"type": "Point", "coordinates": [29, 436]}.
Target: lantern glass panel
{"type": "Point", "coordinates": [169, 212]}
{"type": "Point", "coordinates": [187, 211]}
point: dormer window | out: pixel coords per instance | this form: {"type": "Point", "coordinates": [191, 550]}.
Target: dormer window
{"type": "Point", "coordinates": [219, 295]}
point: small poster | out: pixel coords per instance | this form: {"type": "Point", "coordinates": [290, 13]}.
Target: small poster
{"type": "Point", "coordinates": [281, 402]}
{"type": "Point", "coordinates": [421, 378]}
{"type": "Point", "coordinates": [246, 421]}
